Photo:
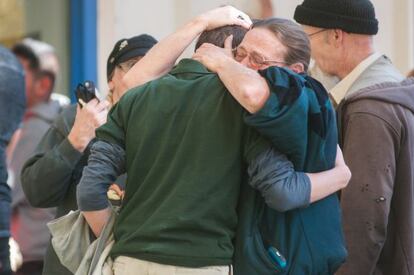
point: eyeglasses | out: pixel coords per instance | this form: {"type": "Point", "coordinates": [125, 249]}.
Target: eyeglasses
{"type": "Point", "coordinates": [255, 59]}
{"type": "Point", "coordinates": [315, 33]}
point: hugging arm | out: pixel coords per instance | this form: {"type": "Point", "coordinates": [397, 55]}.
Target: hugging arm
{"type": "Point", "coordinates": [283, 189]}
{"type": "Point", "coordinates": [162, 57]}
{"type": "Point", "coordinates": [106, 162]}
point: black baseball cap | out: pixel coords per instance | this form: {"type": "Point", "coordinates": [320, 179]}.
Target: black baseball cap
{"type": "Point", "coordinates": [128, 48]}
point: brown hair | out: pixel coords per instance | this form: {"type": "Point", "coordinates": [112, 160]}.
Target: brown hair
{"type": "Point", "coordinates": [292, 36]}
{"type": "Point", "coordinates": [411, 73]}
{"type": "Point", "coordinates": [217, 36]}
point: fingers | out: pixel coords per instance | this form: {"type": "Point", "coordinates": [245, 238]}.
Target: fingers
{"type": "Point", "coordinates": [93, 102]}
{"type": "Point", "coordinates": [339, 156]}
{"type": "Point", "coordinates": [88, 105]}
{"type": "Point", "coordinates": [96, 106]}
{"type": "Point", "coordinates": [212, 56]}
{"type": "Point", "coordinates": [226, 15]}
{"type": "Point", "coordinates": [243, 19]}
{"type": "Point", "coordinates": [116, 188]}
{"type": "Point", "coordinates": [101, 119]}
{"type": "Point", "coordinates": [203, 52]}
{"type": "Point", "coordinates": [103, 105]}
{"type": "Point", "coordinates": [196, 56]}
{"type": "Point", "coordinates": [81, 102]}
{"type": "Point", "coordinates": [93, 114]}
{"type": "Point", "coordinates": [228, 43]}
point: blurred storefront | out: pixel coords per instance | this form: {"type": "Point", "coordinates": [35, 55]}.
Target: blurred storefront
{"type": "Point", "coordinates": [46, 20]}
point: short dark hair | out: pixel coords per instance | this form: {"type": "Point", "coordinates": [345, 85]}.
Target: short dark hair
{"type": "Point", "coordinates": [12, 94]}
{"type": "Point", "coordinates": [217, 36]}
{"type": "Point", "coordinates": [25, 52]}
{"type": "Point", "coordinates": [292, 36]}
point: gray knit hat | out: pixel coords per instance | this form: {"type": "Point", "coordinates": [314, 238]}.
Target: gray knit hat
{"type": "Point", "coordinates": [354, 16]}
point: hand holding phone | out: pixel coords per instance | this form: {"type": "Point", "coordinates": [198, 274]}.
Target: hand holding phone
{"type": "Point", "coordinates": [85, 92]}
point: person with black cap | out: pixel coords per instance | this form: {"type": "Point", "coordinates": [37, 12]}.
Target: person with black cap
{"type": "Point", "coordinates": [123, 57]}
{"type": "Point", "coordinates": [49, 178]}
{"type": "Point", "coordinates": [137, 128]}
{"type": "Point", "coordinates": [375, 118]}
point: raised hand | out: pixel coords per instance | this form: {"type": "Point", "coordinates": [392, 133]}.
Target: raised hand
{"type": "Point", "coordinates": [211, 56]}
{"type": "Point", "coordinates": [223, 16]}
{"type": "Point", "coordinates": [91, 116]}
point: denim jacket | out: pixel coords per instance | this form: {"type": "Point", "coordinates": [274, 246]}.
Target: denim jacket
{"type": "Point", "coordinates": [12, 105]}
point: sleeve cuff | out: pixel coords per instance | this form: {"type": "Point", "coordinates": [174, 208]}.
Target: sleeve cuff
{"type": "Point", "coordinates": [69, 153]}
{"type": "Point", "coordinates": [307, 189]}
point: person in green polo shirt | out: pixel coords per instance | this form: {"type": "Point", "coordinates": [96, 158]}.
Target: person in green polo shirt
{"type": "Point", "coordinates": [278, 100]}
{"type": "Point", "coordinates": [185, 147]}
{"type": "Point", "coordinates": [295, 114]}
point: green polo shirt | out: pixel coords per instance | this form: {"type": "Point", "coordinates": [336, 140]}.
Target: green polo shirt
{"type": "Point", "coordinates": [186, 153]}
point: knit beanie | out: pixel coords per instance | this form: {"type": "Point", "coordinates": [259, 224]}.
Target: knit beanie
{"type": "Point", "coordinates": [354, 16]}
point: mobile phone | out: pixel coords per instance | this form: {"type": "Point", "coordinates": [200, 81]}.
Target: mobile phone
{"type": "Point", "coordinates": [85, 92]}
{"type": "Point", "coordinates": [277, 257]}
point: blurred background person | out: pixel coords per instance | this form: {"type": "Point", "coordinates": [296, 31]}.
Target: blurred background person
{"type": "Point", "coordinates": [28, 223]}
{"type": "Point", "coordinates": [411, 73]}
{"type": "Point", "coordinates": [50, 176]}
{"type": "Point", "coordinates": [12, 106]}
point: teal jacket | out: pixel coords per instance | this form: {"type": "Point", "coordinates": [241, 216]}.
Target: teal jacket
{"type": "Point", "coordinates": [299, 120]}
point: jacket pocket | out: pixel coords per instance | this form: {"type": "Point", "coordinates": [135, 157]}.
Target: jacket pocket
{"type": "Point", "coordinates": [262, 256]}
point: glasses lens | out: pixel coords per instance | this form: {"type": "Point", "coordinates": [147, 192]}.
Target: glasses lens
{"type": "Point", "coordinates": [256, 60]}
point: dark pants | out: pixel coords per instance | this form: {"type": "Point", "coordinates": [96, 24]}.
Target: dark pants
{"type": "Point", "coordinates": [4, 257]}
{"type": "Point", "coordinates": [30, 268]}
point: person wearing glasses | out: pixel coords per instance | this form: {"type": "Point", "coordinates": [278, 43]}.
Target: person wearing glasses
{"type": "Point", "coordinates": [293, 111]}
{"type": "Point", "coordinates": [161, 58]}
{"type": "Point", "coordinates": [50, 176]}
{"type": "Point", "coordinates": [375, 115]}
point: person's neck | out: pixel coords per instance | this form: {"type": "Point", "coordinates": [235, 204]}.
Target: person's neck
{"type": "Point", "coordinates": [359, 49]}
{"type": "Point", "coordinates": [34, 103]}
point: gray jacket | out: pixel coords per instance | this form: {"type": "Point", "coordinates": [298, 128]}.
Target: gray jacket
{"type": "Point", "coordinates": [12, 106]}
{"type": "Point", "coordinates": [29, 223]}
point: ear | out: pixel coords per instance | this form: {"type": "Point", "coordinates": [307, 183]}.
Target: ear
{"type": "Point", "coordinates": [337, 36]}
{"type": "Point", "coordinates": [46, 85]}
{"type": "Point", "coordinates": [297, 68]}
{"type": "Point", "coordinates": [41, 87]}
{"type": "Point", "coordinates": [228, 45]}
{"type": "Point", "coordinates": [111, 84]}
{"type": "Point", "coordinates": [228, 42]}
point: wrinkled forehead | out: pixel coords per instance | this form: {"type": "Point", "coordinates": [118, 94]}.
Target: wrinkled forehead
{"type": "Point", "coordinates": [263, 42]}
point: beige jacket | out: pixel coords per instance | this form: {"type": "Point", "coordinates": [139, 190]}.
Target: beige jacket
{"type": "Point", "coordinates": [74, 248]}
